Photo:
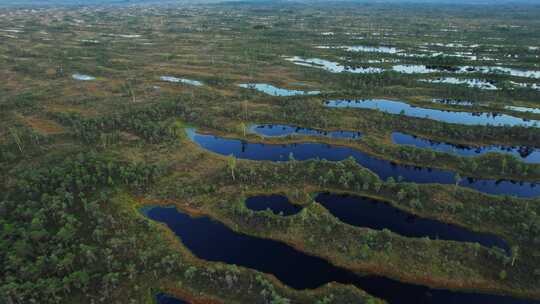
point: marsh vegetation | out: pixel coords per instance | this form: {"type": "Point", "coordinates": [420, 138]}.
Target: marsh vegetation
{"type": "Point", "coordinates": [270, 152]}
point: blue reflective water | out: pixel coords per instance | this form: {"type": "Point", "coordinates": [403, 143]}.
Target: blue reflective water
{"type": "Point", "coordinates": [426, 69]}
{"type": "Point", "coordinates": [275, 91]}
{"type": "Point", "coordinates": [523, 109]}
{"type": "Point", "coordinates": [83, 77]}
{"type": "Point", "coordinates": [373, 49]}
{"type": "Point", "coordinates": [465, 118]}
{"type": "Point", "coordinates": [366, 212]}
{"type": "Point", "coordinates": [278, 204]}
{"type": "Point", "coordinates": [454, 102]}
{"type": "Point", "coordinates": [471, 83]}
{"type": "Point", "coordinates": [214, 241]}
{"type": "Point", "coordinates": [332, 66]}
{"type": "Point", "coordinates": [272, 130]}
{"type": "Point", "coordinates": [167, 299]}
{"type": "Point", "coordinates": [526, 154]}
{"type": "Point", "coordinates": [181, 80]}
{"type": "Point", "coordinates": [384, 169]}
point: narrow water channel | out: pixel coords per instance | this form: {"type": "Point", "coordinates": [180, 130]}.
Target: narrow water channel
{"type": "Point", "coordinates": [374, 214]}
{"type": "Point", "coordinates": [525, 154]}
{"type": "Point", "coordinates": [384, 169]}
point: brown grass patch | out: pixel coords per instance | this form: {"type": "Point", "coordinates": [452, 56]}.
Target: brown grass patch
{"type": "Point", "coordinates": [71, 109]}
{"type": "Point", "coordinates": [43, 126]}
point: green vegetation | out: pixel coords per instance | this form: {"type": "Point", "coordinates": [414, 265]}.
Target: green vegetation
{"type": "Point", "coordinates": [81, 160]}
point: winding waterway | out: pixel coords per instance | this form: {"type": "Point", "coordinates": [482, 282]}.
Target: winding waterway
{"type": "Point", "coordinates": [384, 169]}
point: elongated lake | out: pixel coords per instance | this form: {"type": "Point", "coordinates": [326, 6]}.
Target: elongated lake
{"type": "Point", "coordinates": [471, 83]}
{"type": "Point", "coordinates": [464, 118]}
{"type": "Point", "coordinates": [366, 212]}
{"type": "Point", "coordinates": [181, 80]}
{"type": "Point", "coordinates": [275, 91]}
{"type": "Point", "coordinates": [526, 154]}
{"type": "Point", "coordinates": [333, 67]}
{"type": "Point", "coordinates": [213, 241]}
{"type": "Point", "coordinates": [384, 169]}
{"type": "Point", "coordinates": [523, 109]}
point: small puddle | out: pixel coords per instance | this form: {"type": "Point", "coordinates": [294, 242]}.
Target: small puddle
{"type": "Point", "coordinates": [11, 31]}
{"type": "Point", "coordinates": [526, 154]}
{"type": "Point", "coordinates": [521, 85]}
{"type": "Point", "coordinates": [464, 118]}
{"type": "Point", "coordinates": [181, 80]}
{"type": "Point", "coordinates": [275, 91]}
{"type": "Point", "coordinates": [83, 77]}
{"type": "Point", "coordinates": [374, 214]}
{"type": "Point", "coordinates": [123, 35]}
{"type": "Point", "coordinates": [272, 130]}
{"type": "Point", "coordinates": [89, 41]}
{"type": "Point", "coordinates": [278, 204]}
{"type": "Point", "coordinates": [213, 241]}
{"type": "Point", "coordinates": [162, 298]}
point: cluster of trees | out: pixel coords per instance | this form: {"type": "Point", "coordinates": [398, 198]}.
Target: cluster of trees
{"type": "Point", "coordinates": [146, 122]}
{"type": "Point", "coordinates": [299, 111]}
{"type": "Point", "coordinates": [20, 102]}
{"type": "Point", "coordinates": [20, 141]}
{"type": "Point", "coordinates": [153, 122]}
{"type": "Point", "coordinates": [58, 236]}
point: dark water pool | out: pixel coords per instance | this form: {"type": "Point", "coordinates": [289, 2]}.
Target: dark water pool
{"type": "Point", "coordinates": [167, 299]}
{"type": "Point", "coordinates": [365, 212]}
{"type": "Point", "coordinates": [271, 130]}
{"type": "Point", "coordinates": [213, 241]}
{"type": "Point", "coordinates": [278, 204]}
{"type": "Point", "coordinates": [384, 169]}
{"type": "Point", "coordinates": [526, 154]}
